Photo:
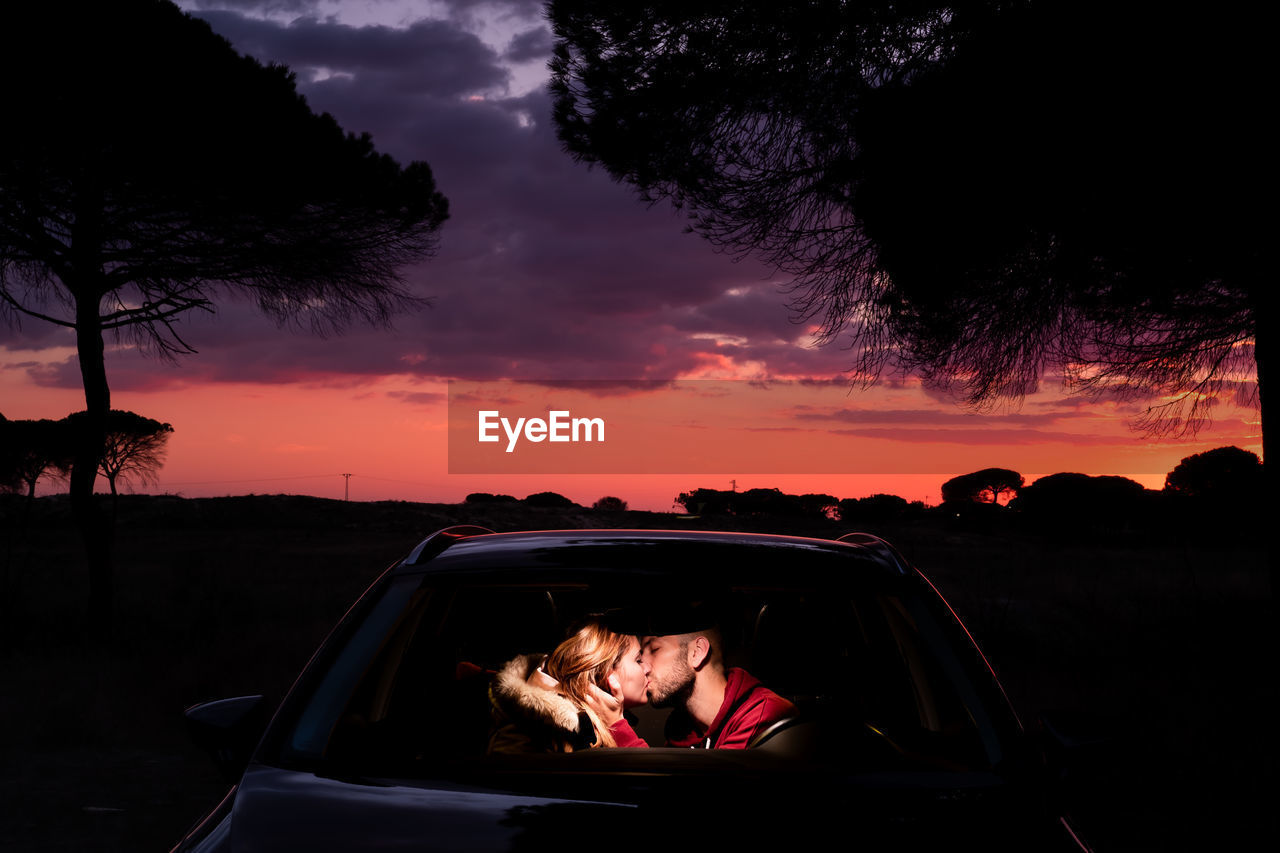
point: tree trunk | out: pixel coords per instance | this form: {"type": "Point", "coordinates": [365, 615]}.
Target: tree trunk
{"type": "Point", "coordinates": [1262, 327]}
{"type": "Point", "coordinates": [96, 533]}
{"type": "Point", "coordinates": [115, 500]}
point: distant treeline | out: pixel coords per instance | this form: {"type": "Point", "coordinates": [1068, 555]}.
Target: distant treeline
{"type": "Point", "coordinates": [551, 500]}
{"type": "Point", "coordinates": [30, 450]}
{"type": "Point", "coordinates": [1217, 482]}
{"type": "Point", "coordinates": [1224, 480]}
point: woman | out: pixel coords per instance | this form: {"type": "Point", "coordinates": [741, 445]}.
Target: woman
{"type": "Point", "coordinates": [542, 704]}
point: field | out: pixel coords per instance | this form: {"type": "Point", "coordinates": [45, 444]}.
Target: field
{"type": "Point", "coordinates": [1163, 636]}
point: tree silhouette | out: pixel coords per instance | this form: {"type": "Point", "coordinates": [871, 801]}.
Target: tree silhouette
{"type": "Point", "coordinates": [767, 502]}
{"type": "Point", "coordinates": [819, 505]}
{"type": "Point", "coordinates": [148, 169]}
{"type": "Point", "coordinates": [974, 191]}
{"type": "Point", "coordinates": [1225, 473]}
{"type": "Point", "coordinates": [31, 449]}
{"type": "Point", "coordinates": [134, 447]}
{"type": "Point", "coordinates": [877, 507]}
{"type": "Point", "coordinates": [554, 500]}
{"type": "Point", "coordinates": [1070, 504]}
{"type": "Point", "coordinates": [707, 501]}
{"type": "Point", "coordinates": [487, 498]}
{"type": "Point", "coordinates": [1068, 491]}
{"type": "Point", "coordinates": [608, 503]}
{"type": "Point", "coordinates": [985, 486]}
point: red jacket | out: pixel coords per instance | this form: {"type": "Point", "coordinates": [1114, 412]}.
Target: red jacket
{"type": "Point", "coordinates": [626, 736]}
{"type": "Point", "coordinates": [748, 708]}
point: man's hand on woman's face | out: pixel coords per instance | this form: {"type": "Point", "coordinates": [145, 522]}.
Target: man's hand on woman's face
{"type": "Point", "coordinates": [607, 706]}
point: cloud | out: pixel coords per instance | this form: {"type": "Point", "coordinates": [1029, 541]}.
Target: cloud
{"type": "Point", "coordinates": [530, 46]}
{"type": "Point", "coordinates": [547, 270]}
{"type": "Point", "coordinates": [609, 387]}
{"type": "Point", "coordinates": [419, 398]}
{"type": "Point", "coordinates": [475, 13]}
{"type": "Point", "coordinates": [259, 6]}
{"type": "Point", "coordinates": [931, 416]}
{"type": "Point", "coordinates": [33, 334]}
{"type": "Point", "coordinates": [429, 57]}
{"type": "Point", "coordinates": [991, 437]}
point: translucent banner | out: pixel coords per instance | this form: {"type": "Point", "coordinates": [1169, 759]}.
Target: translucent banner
{"type": "Point", "coordinates": [750, 427]}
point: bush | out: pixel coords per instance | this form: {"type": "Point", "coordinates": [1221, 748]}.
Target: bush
{"type": "Point", "coordinates": [549, 499]}
{"type": "Point", "coordinates": [879, 507]}
{"type": "Point", "coordinates": [486, 498]}
{"type": "Point", "coordinates": [1225, 473]}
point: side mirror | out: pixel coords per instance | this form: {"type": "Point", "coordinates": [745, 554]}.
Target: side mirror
{"type": "Point", "coordinates": [228, 730]}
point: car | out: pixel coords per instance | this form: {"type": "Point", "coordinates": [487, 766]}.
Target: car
{"type": "Point", "coordinates": [902, 737]}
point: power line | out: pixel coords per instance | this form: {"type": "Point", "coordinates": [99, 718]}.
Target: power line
{"type": "Point", "coordinates": [245, 480]}
{"type": "Point", "coordinates": [298, 477]}
{"type": "Point", "coordinates": [389, 480]}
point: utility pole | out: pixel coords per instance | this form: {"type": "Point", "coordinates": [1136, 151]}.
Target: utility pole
{"type": "Point", "coordinates": [734, 484]}
{"type": "Point", "coordinates": [346, 492]}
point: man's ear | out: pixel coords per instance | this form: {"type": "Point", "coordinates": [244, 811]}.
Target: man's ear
{"type": "Point", "coordinates": [699, 651]}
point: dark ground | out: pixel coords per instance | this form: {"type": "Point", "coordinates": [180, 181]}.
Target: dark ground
{"type": "Point", "coordinates": [1165, 634]}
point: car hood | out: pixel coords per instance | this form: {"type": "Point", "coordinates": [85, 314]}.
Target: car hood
{"type": "Point", "coordinates": [277, 809]}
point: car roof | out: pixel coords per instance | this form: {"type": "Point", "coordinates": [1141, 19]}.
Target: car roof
{"type": "Point", "coordinates": [710, 556]}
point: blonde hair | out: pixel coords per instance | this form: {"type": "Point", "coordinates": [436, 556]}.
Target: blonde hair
{"type": "Point", "coordinates": [587, 658]}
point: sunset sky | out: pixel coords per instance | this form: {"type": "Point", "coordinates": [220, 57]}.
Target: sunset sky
{"type": "Point", "coordinates": [546, 271]}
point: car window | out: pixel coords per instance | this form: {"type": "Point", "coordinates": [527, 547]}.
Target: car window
{"type": "Point", "coordinates": [336, 682]}
{"type": "Point", "coordinates": [409, 692]}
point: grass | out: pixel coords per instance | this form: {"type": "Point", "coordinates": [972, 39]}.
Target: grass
{"type": "Point", "coordinates": [1164, 636]}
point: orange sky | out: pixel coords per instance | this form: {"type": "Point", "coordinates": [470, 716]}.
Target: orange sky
{"type": "Point", "coordinates": [390, 434]}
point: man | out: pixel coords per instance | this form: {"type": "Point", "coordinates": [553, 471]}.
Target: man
{"type": "Point", "coordinates": [715, 707]}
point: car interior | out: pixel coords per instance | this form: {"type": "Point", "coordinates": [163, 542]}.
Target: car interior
{"type": "Point", "coordinates": [868, 689]}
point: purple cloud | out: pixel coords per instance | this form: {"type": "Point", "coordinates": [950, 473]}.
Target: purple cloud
{"type": "Point", "coordinates": [419, 398]}
{"type": "Point", "coordinates": [530, 45]}
{"type": "Point", "coordinates": [547, 270]}
{"type": "Point", "coordinates": [1001, 437]}
{"type": "Point", "coordinates": [930, 416]}
{"type": "Point", "coordinates": [428, 57]}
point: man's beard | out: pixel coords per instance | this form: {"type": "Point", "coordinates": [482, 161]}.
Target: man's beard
{"type": "Point", "coordinates": [673, 690]}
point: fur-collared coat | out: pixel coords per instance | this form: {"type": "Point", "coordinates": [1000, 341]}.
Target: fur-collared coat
{"type": "Point", "coordinates": [531, 717]}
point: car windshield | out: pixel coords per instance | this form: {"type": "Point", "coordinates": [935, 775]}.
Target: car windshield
{"type": "Point", "coordinates": [876, 674]}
